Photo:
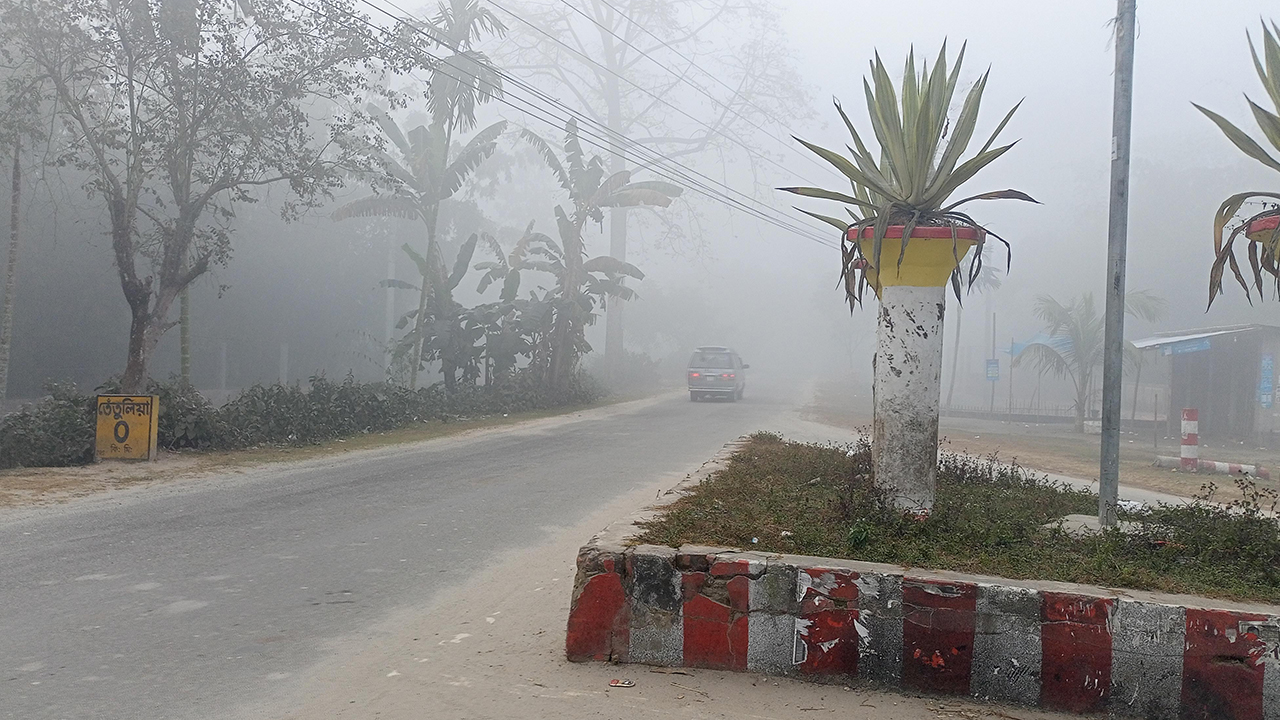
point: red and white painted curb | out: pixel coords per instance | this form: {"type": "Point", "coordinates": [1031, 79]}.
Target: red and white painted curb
{"type": "Point", "coordinates": [1214, 468]}
{"type": "Point", "coordinates": [1189, 454]}
{"type": "Point", "coordinates": [1052, 645]}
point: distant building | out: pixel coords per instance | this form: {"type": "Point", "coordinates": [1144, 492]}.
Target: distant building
{"type": "Point", "coordinates": [1228, 374]}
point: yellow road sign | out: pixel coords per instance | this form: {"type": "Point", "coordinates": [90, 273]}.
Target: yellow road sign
{"type": "Point", "coordinates": [127, 427]}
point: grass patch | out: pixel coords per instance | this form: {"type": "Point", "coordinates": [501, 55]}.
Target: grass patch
{"type": "Point", "coordinates": [783, 497]}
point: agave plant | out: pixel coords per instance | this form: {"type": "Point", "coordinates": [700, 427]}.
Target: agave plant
{"type": "Point", "coordinates": [920, 166]}
{"type": "Point", "coordinates": [1263, 253]}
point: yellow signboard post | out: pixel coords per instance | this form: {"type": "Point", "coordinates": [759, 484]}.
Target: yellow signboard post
{"type": "Point", "coordinates": [127, 427]}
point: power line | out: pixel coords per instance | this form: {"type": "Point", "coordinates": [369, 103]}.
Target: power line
{"type": "Point", "coordinates": [680, 78]}
{"type": "Point", "coordinates": [657, 98]}
{"type": "Point", "coordinates": [680, 173]}
{"type": "Point", "coordinates": [656, 156]}
{"type": "Point", "coordinates": [557, 121]}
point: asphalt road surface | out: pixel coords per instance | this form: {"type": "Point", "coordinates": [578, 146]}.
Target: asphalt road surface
{"type": "Point", "coordinates": [191, 599]}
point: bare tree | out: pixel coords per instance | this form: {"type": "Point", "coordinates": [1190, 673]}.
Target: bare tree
{"type": "Point", "coordinates": [177, 110]}
{"type": "Point", "coordinates": [665, 77]}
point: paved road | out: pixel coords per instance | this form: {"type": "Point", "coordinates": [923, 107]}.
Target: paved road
{"type": "Point", "coordinates": [186, 600]}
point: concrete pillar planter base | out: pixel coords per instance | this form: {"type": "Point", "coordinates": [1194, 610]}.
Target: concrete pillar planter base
{"type": "Point", "coordinates": [907, 388]}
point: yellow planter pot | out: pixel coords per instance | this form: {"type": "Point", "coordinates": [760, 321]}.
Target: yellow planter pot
{"type": "Point", "coordinates": [932, 255]}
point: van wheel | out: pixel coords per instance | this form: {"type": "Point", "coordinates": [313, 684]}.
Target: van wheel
{"type": "Point", "coordinates": [694, 397]}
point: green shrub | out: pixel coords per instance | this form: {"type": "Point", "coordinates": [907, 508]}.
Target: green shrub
{"type": "Point", "coordinates": [56, 432]}
{"type": "Point", "coordinates": [59, 430]}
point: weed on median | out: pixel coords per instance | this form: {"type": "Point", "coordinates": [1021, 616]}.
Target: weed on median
{"type": "Point", "coordinates": [989, 518]}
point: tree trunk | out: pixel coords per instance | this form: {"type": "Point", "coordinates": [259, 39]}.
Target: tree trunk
{"type": "Point", "coordinates": [419, 325]}
{"type": "Point", "coordinates": [10, 270]}
{"type": "Point", "coordinates": [614, 342]}
{"type": "Point", "coordinates": [569, 322]}
{"type": "Point", "coordinates": [184, 336]}
{"type": "Point", "coordinates": [955, 355]}
{"type": "Point", "coordinates": [134, 378]}
{"type": "Point", "coordinates": [1082, 404]}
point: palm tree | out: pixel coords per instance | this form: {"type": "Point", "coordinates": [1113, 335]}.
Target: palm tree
{"type": "Point", "coordinates": [427, 171]}
{"type": "Point", "coordinates": [987, 279]}
{"type": "Point", "coordinates": [1073, 344]}
{"type": "Point", "coordinates": [581, 282]}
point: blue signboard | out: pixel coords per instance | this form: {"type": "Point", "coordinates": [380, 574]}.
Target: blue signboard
{"type": "Point", "coordinates": [1266, 381]}
{"type": "Point", "coordinates": [993, 370]}
{"type": "Point", "coordinates": [1186, 346]}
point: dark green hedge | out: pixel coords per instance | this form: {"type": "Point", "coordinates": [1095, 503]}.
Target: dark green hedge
{"type": "Point", "coordinates": [59, 430]}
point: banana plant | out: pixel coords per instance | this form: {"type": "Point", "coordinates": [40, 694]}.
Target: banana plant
{"type": "Point", "coordinates": [1264, 255]}
{"type": "Point", "coordinates": [424, 175]}
{"type": "Point", "coordinates": [440, 331]}
{"type": "Point", "coordinates": [582, 283]}
{"type": "Point", "coordinates": [921, 165]}
{"type": "Point", "coordinates": [427, 171]}
{"type": "Point", "coordinates": [511, 326]}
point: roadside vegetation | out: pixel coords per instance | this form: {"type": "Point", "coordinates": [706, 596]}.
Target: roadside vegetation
{"type": "Point", "coordinates": [990, 518]}
{"type": "Point", "coordinates": [226, 101]}
{"type": "Point", "coordinates": [58, 431]}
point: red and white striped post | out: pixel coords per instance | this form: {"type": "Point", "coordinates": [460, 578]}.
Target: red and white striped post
{"type": "Point", "coordinates": [1190, 439]}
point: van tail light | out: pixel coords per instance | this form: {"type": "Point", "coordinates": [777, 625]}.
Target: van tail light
{"type": "Point", "coordinates": [729, 375]}
{"type": "Point", "coordinates": [693, 375]}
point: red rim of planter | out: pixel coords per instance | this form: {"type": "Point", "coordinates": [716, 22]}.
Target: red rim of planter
{"type": "Point", "coordinates": [928, 233]}
{"type": "Point", "coordinates": [1262, 225]}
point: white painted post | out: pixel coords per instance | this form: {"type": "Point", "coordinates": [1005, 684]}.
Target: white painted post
{"type": "Point", "coordinates": [908, 386]}
{"type": "Point", "coordinates": [1190, 452]}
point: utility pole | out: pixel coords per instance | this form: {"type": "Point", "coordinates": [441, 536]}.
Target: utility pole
{"type": "Point", "coordinates": [1117, 241]}
{"type": "Point", "coordinates": [1010, 379]}
{"type": "Point", "coordinates": [992, 409]}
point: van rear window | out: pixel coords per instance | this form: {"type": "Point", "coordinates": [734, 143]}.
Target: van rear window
{"type": "Point", "coordinates": [711, 360]}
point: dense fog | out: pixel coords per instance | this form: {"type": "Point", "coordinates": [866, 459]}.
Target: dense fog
{"type": "Point", "coordinates": [714, 273]}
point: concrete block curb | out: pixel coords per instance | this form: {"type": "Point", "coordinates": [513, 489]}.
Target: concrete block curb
{"type": "Point", "coordinates": [1057, 646]}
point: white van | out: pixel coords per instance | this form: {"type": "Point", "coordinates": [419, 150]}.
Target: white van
{"type": "Point", "coordinates": [716, 371]}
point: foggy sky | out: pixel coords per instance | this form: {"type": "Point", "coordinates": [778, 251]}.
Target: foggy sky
{"type": "Point", "coordinates": [774, 295]}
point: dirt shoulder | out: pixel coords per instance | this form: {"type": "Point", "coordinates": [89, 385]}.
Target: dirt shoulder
{"type": "Point", "coordinates": [43, 486]}
{"type": "Point", "coordinates": [1056, 448]}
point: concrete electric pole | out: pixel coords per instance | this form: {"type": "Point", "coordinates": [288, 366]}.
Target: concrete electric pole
{"type": "Point", "coordinates": [1117, 241]}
